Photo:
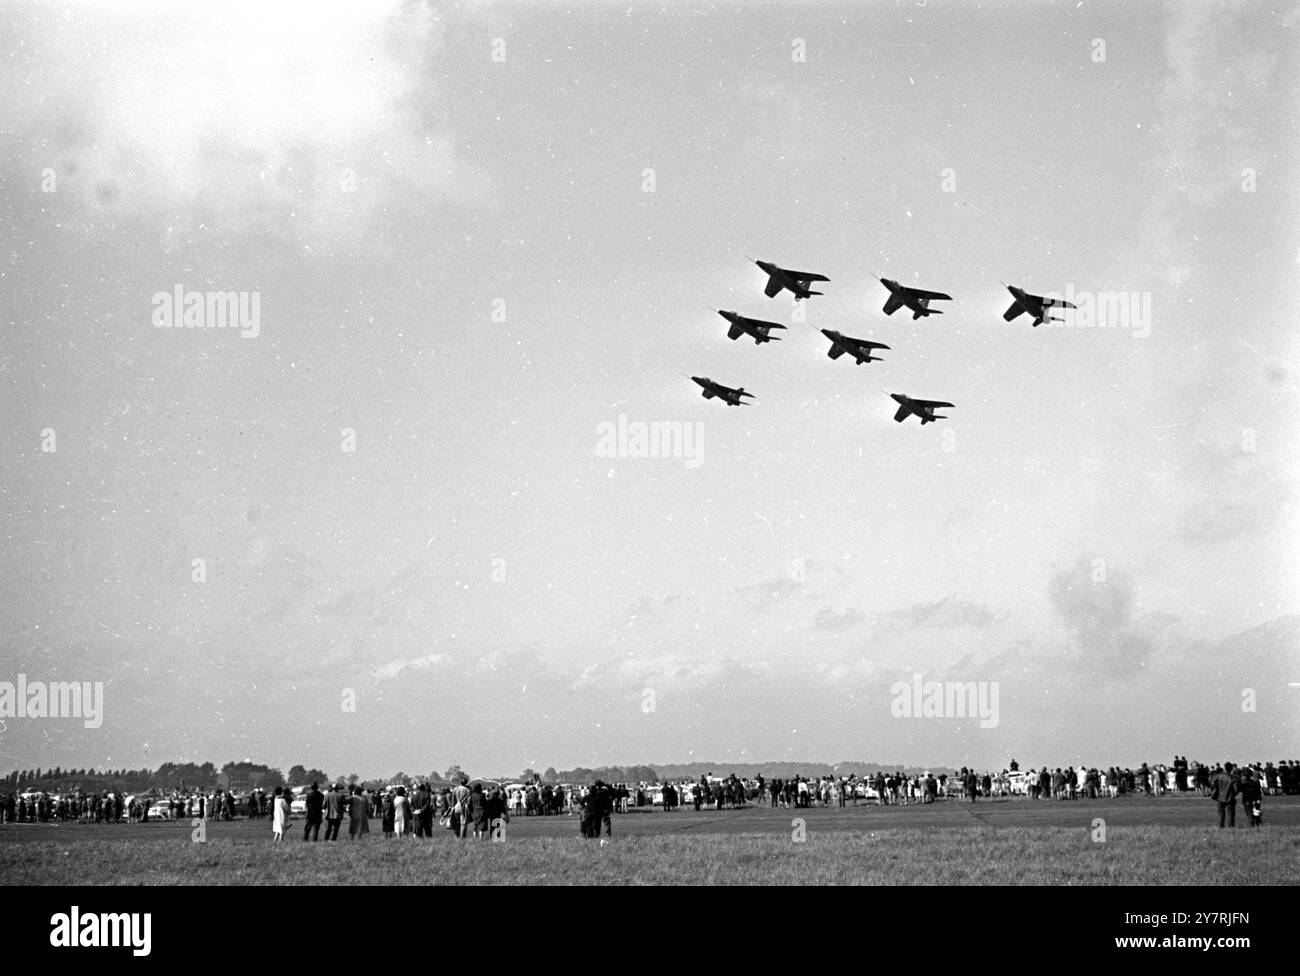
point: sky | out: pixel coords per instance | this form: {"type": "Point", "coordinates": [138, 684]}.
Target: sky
{"type": "Point", "coordinates": [379, 531]}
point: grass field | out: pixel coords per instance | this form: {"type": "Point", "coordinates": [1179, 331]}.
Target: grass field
{"type": "Point", "coordinates": [1172, 840]}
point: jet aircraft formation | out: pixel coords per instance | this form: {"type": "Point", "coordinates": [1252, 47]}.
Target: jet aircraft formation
{"type": "Point", "coordinates": [916, 300]}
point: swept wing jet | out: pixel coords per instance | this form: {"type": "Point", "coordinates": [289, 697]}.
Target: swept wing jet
{"type": "Point", "coordinates": [916, 299]}
{"type": "Point", "coordinates": [725, 393]}
{"type": "Point", "coordinates": [922, 408]}
{"type": "Point", "coordinates": [740, 325]}
{"type": "Point", "coordinates": [796, 282]}
{"type": "Point", "coordinates": [1036, 305]}
{"type": "Point", "coordinates": [859, 349]}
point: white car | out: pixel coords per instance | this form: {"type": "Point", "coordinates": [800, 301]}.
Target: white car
{"type": "Point", "coordinates": [161, 810]}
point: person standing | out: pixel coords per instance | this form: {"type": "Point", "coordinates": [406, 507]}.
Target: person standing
{"type": "Point", "coordinates": [606, 803]}
{"type": "Point", "coordinates": [460, 808]}
{"type": "Point", "coordinates": [422, 811]}
{"type": "Point", "coordinates": [281, 815]}
{"type": "Point", "coordinates": [334, 805]}
{"type": "Point", "coordinates": [358, 814]}
{"type": "Point", "coordinates": [1251, 797]}
{"type": "Point", "coordinates": [498, 813]}
{"type": "Point", "coordinates": [589, 826]}
{"type": "Point", "coordinates": [1223, 791]}
{"type": "Point", "coordinates": [315, 811]}
{"type": "Point", "coordinates": [478, 811]}
{"type": "Point", "coordinates": [401, 813]}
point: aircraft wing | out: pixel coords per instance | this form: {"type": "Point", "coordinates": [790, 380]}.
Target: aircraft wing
{"type": "Point", "coordinates": [922, 293]}
{"type": "Point", "coordinates": [735, 332]}
{"type": "Point", "coordinates": [806, 276]}
{"type": "Point", "coordinates": [1015, 309]}
{"type": "Point", "coordinates": [894, 304]}
{"type": "Point", "coordinates": [931, 403]}
{"type": "Point", "coordinates": [773, 286]}
{"type": "Point", "coordinates": [836, 350]}
{"type": "Point", "coordinates": [866, 344]}
{"type": "Point", "coordinates": [902, 413]}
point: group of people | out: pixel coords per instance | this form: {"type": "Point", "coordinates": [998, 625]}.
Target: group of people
{"type": "Point", "coordinates": [465, 809]}
{"type": "Point", "coordinates": [482, 808]}
{"type": "Point", "coordinates": [107, 806]}
{"type": "Point", "coordinates": [1227, 784]}
{"type": "Point", "coordinates": [462, 808]}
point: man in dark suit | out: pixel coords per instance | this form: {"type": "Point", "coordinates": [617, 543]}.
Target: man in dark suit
{"type": "Point", "coordinates": [1251, 796]}
{"type": "Point", "coordinates": [334, 804]}
{"type": "Point", "coordinates": [315, 813]}
{"type": "Point", "coordinates": [422, 808]}
{"type": "Point", "coordinates": [1223, 790]}
{"type": "Point", "coordinates": [358, 814]}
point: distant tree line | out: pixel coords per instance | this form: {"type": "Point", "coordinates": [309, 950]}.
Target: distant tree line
{"type": "Point", "coordinates": [167, 777]}
{"type": "Point", "coordinates": [242, 776]}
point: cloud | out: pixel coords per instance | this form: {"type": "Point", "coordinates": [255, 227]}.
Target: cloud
{"type": "Point", "coordinates": [1215, 95]}
{"type": "Point", "coordinates": [769, 593]}
{"type": "Point", "coordinates": [1235, 492]}
{"type": "Point", "coordinates": [1097, 606]}
{"type": "Point", "coordinates": [386, 672]}
{"type": "Point", "coordinates": [667, 671]}
{"type": "Point", "coordinates": [283, 120]}
{"type": "Point", "coordinates": [829, 619]}
{"type": "Point", "coordinates": [948, 612]}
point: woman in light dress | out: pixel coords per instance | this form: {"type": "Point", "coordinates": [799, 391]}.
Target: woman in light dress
{"type": "Point", "coordinates": [401, 813]}
{"type": "Point", "coordinates": [281, 818]}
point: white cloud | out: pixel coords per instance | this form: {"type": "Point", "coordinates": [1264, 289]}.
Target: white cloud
{"type": "Point", "coordinates": [237, 117]}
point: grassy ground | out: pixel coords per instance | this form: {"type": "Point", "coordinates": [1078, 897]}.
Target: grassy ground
{"type": "Point", "coordinates": [1167, 841]}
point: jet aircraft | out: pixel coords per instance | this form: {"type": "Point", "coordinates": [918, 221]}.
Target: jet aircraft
{"type": "Point", "coordinates": [740, 325]}
{"type": "Point", "coordinates": [796, 282]}
{"type": "Point", "coordinates": [922, 408]}
{"type": "Point", "coordinates": [859, 349]}
{"type": "Point", "coordinates": [916, 299]}
{"type": "Point", "coordinates": [1036, 305]}
{"type": "Point", "coordinates": [725, 393]}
